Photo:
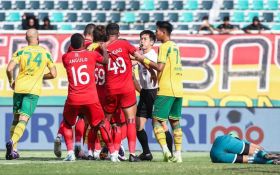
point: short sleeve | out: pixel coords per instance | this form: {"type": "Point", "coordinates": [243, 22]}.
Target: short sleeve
{"type": "Point", "coordinates": [98, 57]}
{"type": "Point", "coordinates": [131, 49]}
{"type": "Point", "coordinates": [163, 54]}
{"type": "Point", "coordinates": [153, 56]}
{"type": "Point", "coordinates": [16, 56]}
{"type": "Point", "coordinates": [50, 63]}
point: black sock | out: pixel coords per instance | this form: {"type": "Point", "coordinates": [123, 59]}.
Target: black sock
{"type": "Point", "coordinates": [143, 139]}
{"type": "Point", "coordinates": [169, 141]}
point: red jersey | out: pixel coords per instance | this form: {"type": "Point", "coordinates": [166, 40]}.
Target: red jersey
{"type": "Point", "coordinates": [100, 82]}
{"type": "Point", "coordinates": [80, 65]}
{"type": "Point", "coordinates": [87, 42]}
{"type": "Point", "coordinates": [119, 69]}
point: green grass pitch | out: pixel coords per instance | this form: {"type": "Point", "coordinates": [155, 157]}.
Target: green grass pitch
{"type": "Point", "coordinates": [44, 162]}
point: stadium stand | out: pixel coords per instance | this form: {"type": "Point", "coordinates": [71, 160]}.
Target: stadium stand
{"type": "Point", "coordinates": [135, 14]}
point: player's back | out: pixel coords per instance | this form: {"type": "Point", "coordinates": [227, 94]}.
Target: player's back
{"type": "Point", "coordinates": [119, 68]}
{"type": "Point", "coordinates": [80, 66]}
{"type": "Point", "coordinates": [32, 62]}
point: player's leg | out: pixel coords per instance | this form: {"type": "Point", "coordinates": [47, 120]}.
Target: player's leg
{"type": "Point", "coordinates": [162, 107]}
{"type": "Point", "coordinates": [28, 105]}
{"type": "Point", "coordinates": [79, 130]}
{"type": "Point", "coordinates": [174, 118]}
{"type": "Point", "coordinates": [12, 129]}
{"type": "Point", "coordinates": [70, 113]}
{"type": "Point", "coordinates": [57, 141]}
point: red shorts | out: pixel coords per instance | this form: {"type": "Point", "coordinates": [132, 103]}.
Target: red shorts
{"type": "Point", "coordinates": [113, 102]}
{"type": "Point", "coordinates": [118, 117]}
{"type": "Point", "coordinates": [93, 112]}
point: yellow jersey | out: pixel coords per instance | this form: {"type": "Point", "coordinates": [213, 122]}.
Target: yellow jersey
{"type": "Point", "coordinates": [32, 62]}
{"type": "Point", "coordinates": [93, 46]}
{"type": "Point", "coordinates": [170, 79]}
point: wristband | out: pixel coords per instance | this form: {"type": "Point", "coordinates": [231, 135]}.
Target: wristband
{"type": "Point", "coordinates": [147, 62]}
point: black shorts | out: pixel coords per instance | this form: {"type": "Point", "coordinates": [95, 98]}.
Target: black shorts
{"type": "Point", "coordinates": [146, 103]}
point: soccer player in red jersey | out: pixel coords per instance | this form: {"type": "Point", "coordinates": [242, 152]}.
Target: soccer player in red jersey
{"type": "Point", "coordinates": [82, 94]}
{"type": "Point", "coordinates": [80, 124]}
{"type": "Point", "coordinates": [119, 83]}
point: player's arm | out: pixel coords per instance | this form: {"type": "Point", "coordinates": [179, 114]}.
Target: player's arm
{"type": "Point", "coordinates": [51, 75]}
{"type": "Point", "coordinates": [136, 83]}
{"type": "Point", "coordinates": [105, 53]}
{"type": "Point", "coordinates": [148, 63]}
{"type": "Point", "coordinates": [10, 73]}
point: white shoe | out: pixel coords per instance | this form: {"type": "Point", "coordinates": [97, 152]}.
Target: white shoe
{"type": "Point", "coordinates": [57, 147]}
{"type": "Point", "coordinates": [114, 157]}
{"type": "Point", "coordinates": [70, 157]}
{"type": "Point", "coordinates": [96, 154]}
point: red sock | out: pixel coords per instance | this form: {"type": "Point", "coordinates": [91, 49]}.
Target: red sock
{"type": "Point", "coordinates": [79, 130]}
{"type": "Point", "coordinates": [68, 136]}
{"type": "Point", "coordinates": [131, 135]}
{"type": "Point", "coordinates": [106, 136]}
{"type": "Point", "coordinates": [97, 143]}
{"type": "Point", "coordinates": [90, 140]}
{"type": "Point", "coordinates": [124, 131]}
{"type": "Point", "coordinates": [117, 136]}
{"type": "Point", "coordinates": [60, 129]}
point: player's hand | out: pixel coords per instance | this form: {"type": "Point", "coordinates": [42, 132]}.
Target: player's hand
{"type": "Point", "coordinates": [153, 79]}
{"type": "Point", "coordinates": [12, 85]}
{"type": "Point", "coordinates": [103, 46]}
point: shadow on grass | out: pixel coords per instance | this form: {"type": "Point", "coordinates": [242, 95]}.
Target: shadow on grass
{"type": "Point", "coordinates": [40, 158]}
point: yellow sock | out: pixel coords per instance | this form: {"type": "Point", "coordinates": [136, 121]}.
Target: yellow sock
{"type": "Point", "coordinates": [12, 129]}
{"type": "Point", "coordinates": [178, 137]}
{"type": "Point", "coordinates": [18, 132]}
{"type": "Point", "coordinates": [160, 135]}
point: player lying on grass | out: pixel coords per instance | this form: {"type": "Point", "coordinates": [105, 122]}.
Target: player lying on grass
{"type": "Point", "coordinates": [80, 124]}
{"type": "Point", "coordinates": [82, 94]}
{"type": "Point", "coordinates": [32, 60]}
{"type": "Point", "coordinates": [230, 149]}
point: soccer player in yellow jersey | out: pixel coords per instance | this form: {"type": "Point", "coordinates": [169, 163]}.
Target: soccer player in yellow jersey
{"type": "Point", "coordinates": [168, 103]}
{"type": "Point", "coordinates": [32, 60]}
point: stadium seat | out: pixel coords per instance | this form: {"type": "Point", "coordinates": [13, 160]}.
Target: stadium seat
{"type": "Point", "coordinates": [49, 5]}
{"type": "Point", "coordinates": [42, 15]}
{"type": "Point", "coordinates": [13, 17]}
{"type": "Point", "coordinates": [238, 16]}
{"type": "Point", "coordinates": [63, 5]}
{"type": "Point", "coordinates": [77, 5]}
{"type": "Point", "coordinates": [115, 17]}
{"type": "Point", "coordinates": [20, 5]}
{"type": "Point", "coordinates": [173, 17]}
{"type": "Point", "coordinates": [138, 27]}
{"type": "Point", "coordinates": [223, 14]}
{"type": "Point", "coordinates": [66, 27]}
{"type": "Point", "coordinates": [133, 5]}
{"type": "Point", "coordinates": [182, 27]}
{"type": "Point", "coordinates": [8, 27]}
{"type": "Point", "coordinates": [201, 15]}
{"type": "Point", "coordinates": [124, 27]}
{"type": "Point", "coordinates": [105, 5]}
{"type": "Point", "coordinates": [162, 5]}
{"type": "Point", "coordinates": [228, 4]}
{"type": "Point", "coordinates": [206, 5]}
{"type": "Point", "coordinates": [119, 6]}
{"type": "Point", "coordinates": [100, 17]}
{"type": "Point", "coordinates": [186, 17]}
{"type": "Point", "coordinates": [268, 17]}
{"type": "Point", "coordinates": [251, 15]}
{"type": "Point", "coordinates": [177, 5]}
{"type": "Point", "coordinates": [242, 5]}
{"type": "Point", "coordinates": [80, 27]}
{"type": "Point", "coordinates": [151, 27]}
{"type": "Point", "coordinates": [91, 5]}
{"type": "Point", "coordinates": [86, 17]}
{"type": "Point", "coordinates": [2, 16]}
{"type": "Point", "coordinates": [195, 27]}
{"type": "Point", "coordinates": [157, 17]}
{"type": "Point", "coordinates": [275, 27]}
{"type": "Point", "coordinates": [191, 5]}
{"type": "Point", "coordinates": [277, 17]}
{"type": "Point", "coordinates": [272, 5]}
{"type": "Point", "coordinates": [257, 5]}
{"type": "Point", "coordinates": [6, 5]}
{"type": "Point", "coordinates": [147, 5]}
{"type": "Point", "coordinates": [56, 17]}
{"type": "Point", "coordinates": [143, 17]}
{"type": "Point", "coordinates": [128, 17]}
{"type": "Point", "coordinates": [71, 17]}
{"type": "Point", "coordinates": [34, 5]}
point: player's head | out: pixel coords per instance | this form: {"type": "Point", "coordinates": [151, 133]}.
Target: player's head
{"type": "Point", "coordinates": [113, 29]}
{"type": "Point", "coordinates": [256, 21]}
{"type": "Point", "coordinates": [147, 39]}
{"type": "Point", "coordinates": [32, 36]}
{"type": "Point", "coordinates": [233, 134]}
{"type": "Point", "coordinates": [89, 30]}
{"type": "Point", "coordinates": [99, 34]}
{"type": "Point", "coordinates": [164, 29]}
{"type": "Point", "coordinates": [77, 41]}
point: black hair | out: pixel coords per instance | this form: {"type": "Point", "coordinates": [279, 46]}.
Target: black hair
{"type": "Point", "coordinates": [165, 25]}
{"type": "Point", "coordinates": [46, 19]}
{"type": "Point", "coordinates": [112, 29]}
{"type": "Point", "coordinates": [150, 33]}
{"type": "Point", "coordinates": [99, 34]}
{"type": "Point", "coordinates": [226, 18]}
{"type": "Point", "coordinates": [89, 29]}
{"type": "Point", "coordinates": [205, 18]}
{"type": "Point", "coordinates": [77, 41]}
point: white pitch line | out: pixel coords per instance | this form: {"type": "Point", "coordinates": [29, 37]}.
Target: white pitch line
{"type": "Point", "coordinates": [31, 162]}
